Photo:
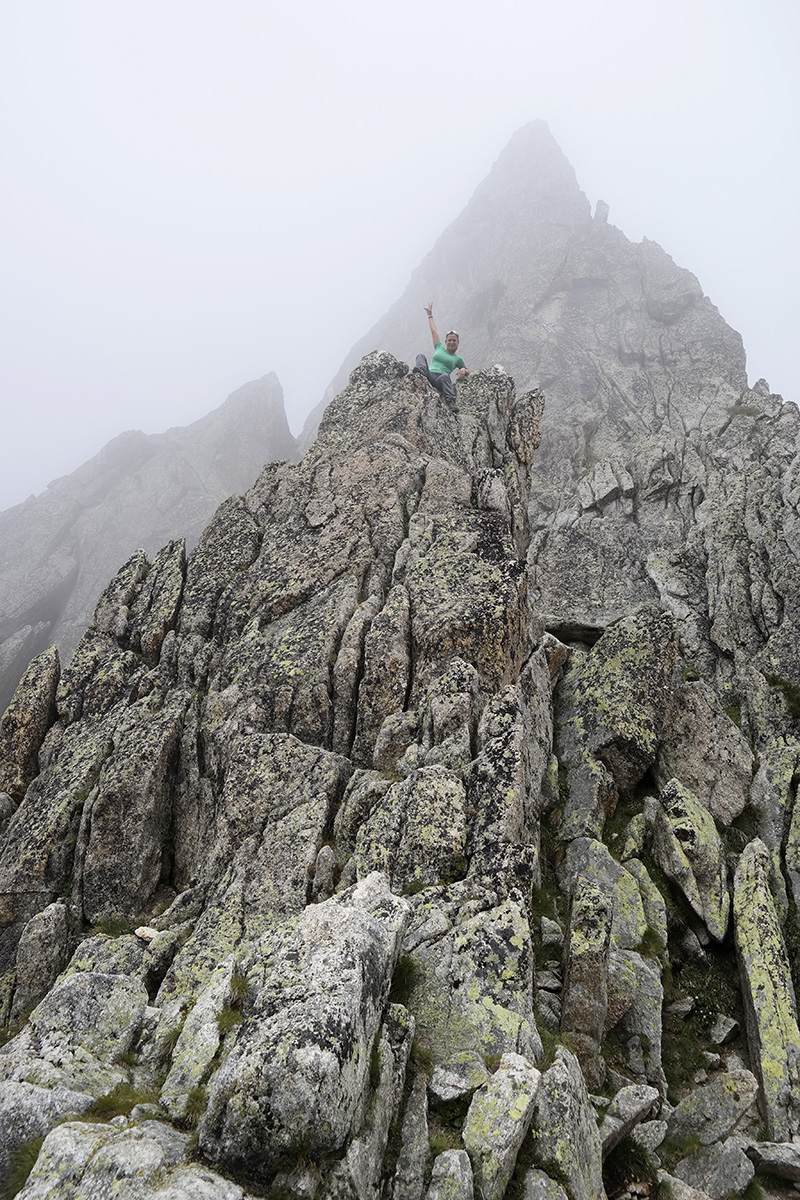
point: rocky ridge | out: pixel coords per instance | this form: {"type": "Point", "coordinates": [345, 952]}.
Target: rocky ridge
{"type": "Point", "coordinates": [431, 831]}
{"type": "Point", "coordinates": [59, 549]}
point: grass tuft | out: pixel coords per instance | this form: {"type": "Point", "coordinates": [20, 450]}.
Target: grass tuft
{"type": "Point", "coordinates": [22, 1163]}
{"type": "Point", "coordinates": [119, 1102]}
{"type": "Point", "coordinates": [628, 1163]}
{"type": "Point", "coordinates": [228, 1018]}
{"type": "Point", "coordinates": [196, 1104]}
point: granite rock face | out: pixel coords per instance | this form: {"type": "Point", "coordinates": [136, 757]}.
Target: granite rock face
{"type": "Point", "coordinates": [58, 549]}
{"type": "Point", "coordinates": [450, 778]}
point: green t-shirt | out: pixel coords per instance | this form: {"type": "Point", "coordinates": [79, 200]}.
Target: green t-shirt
{"type": "Point", "coordinates": [443, 363]}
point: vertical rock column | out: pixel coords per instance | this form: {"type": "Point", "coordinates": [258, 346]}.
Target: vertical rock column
{"type": "Point", "coordinates": [585, 998]}
{"type": "Point", "coordinates": [768, 993]}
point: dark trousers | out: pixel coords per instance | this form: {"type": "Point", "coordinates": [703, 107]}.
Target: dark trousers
{"type": "Point", "coordinates": [442, 383]}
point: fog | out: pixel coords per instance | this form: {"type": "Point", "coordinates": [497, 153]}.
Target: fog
{"type": "Point", "coordinates": [198, 192]}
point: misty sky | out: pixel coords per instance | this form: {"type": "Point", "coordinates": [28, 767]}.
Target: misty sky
{"type": "Point", "coordinates": [198, 192]}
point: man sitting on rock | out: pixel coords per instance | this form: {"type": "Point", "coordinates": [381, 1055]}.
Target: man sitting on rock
{"type": "Point", "coordinates": [444, 361]}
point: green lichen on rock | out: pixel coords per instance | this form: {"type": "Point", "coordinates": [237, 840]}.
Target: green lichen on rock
{"type": "Point", "coordinates": [472, 987]}
{"type": "Point", "coordinates": [497, 1123]}
{"type": "Point", "coordinates": [767, 990]}
{"type": "Point", "coordinates": [617, 695]}
{"type": "Point", "coordinates": [416, 832]}
{"type": "Point", "coordinates": [689, 850]}
{"type": "Point", "coordinates": [26, 721]}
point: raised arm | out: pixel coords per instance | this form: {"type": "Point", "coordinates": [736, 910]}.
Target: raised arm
{"type": "Point", "coordinates": [432, 324]}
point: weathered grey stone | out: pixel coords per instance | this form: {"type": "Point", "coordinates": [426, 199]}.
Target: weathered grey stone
{"type": "Point", "coordinates": [593, 794]}
{"type": "Point", "coordinates": [655, 910]}
{"type": "Point", "coordinates": [552, 933]}
{"type": "Point", "coordinates": [630, 1106]}
{"type": "Point", "coordinates": [451, 1177]}
{"type": "Point", "coordinates": [718, 1170]}
{"type": "Point", "coordinates": [198, 1043]}
{"type": "Point", "coordinates": [776, 1158]}
{"type": "Point", "coordinates": [198, 1183]}
{"type": "Point", "coordinates": [781, 786]}
{"type": "Point", "coordinates": [28, 1112]}
{"type": "Point", "coordinates": [36, 854]}
{"type": "Point", "coordinates": [270, 826]}
{"type": "Point", "coordinates": [618, 695]}
{"type": "Point", "coordinates": [323, 874]}
{"type": "Point", "coordinates": [635, 999]}
{"type": "Point", "coordinates": [457, 1077]}
{"type": "Point", "coordinates": [416, 833]}
{"type": "Point", "coordinates": [387, 663]}
{"type": "Point", "coordinates": [126, 818]}
{"type": "Point", "coordinates": [538, 1186]}
{"type": "Point", "coordinates": [26, 721]}
{"type": "Point", "coordinates": [359, 1172]}
{"type": "Point", "coordinates": [649, 1135]}
{"type": "Point", "coordinates": [566, 1139]}
{"type": "Point", "coordinates": [303, 1054]}
{"type": "Point", "coordinates": [77, 1035]}
{"type": "Point", "coordinates": [549, 978]}
{"type": "Point", "coordinates": [42, 954]}
{"type": "Point", "coordinates": [679, 1189]}
{"type": "Point", "coordinates": [497, 1122]}
{"type": "Point", "coordinates": [482, 625]}
{"type": "Point", "coordinates": [590, 858]}
{"type": "Point", "coordinates": [548, 1010]}
{"type": "Point", "coordinates": [412, 1161]}
{"type": "Point", "coordinates": [144, 1162]}
{"type": "Point", "coordinates": [767, 993]}
{"type": "Point", "coordinates": [706, 751]}
{"type": "Point", "coordinates": [472, 988]}
{"type": "Point", "coordinates": [585, 995]}
{"type": "Point", "coordinates": [504, 782]}
{"type": "Point", "coordinates": [689, 850]}
{"type": "Point", "coordinates": [712, 1112]}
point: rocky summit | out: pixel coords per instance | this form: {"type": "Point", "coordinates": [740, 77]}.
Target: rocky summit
{"type": "Point", "coordinates": [431, 831]}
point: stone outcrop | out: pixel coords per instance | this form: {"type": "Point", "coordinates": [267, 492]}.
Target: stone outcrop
{"type": "Point", "coordinates": [58, 549]}
{"type": "Point", "coordinates": [450, 779]}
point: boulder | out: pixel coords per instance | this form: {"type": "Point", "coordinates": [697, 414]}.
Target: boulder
{"type": "Point", "coordinates": [78, 1035]}
{"type": "Point", "coordinates": [497, 1122]}
{"type": "Point", "coordinates": [629, 1107]}
{"type": "Point", "coordinates": [416, 832]}
{"type": "Point", "coordinates": [26, 721]}
{"type": "Point", "coordinates": [767, 993]}
{"type": "Point", "coordinates": [536, 1185]}
{"type": "Point", "coordinates": [688, 849]}
{"type": "Point", "coordinates": [566, 1141]}
{"type": "Point", "coordinates": [776, 1158]}
{"type": "Point", "coordinates": [590, 858]}
{"type": "Point", "coordinates": [412, 1161]}
{"type": "Point", "coordinates": [711, 1113]}
{"type": "Point", "coordinates": [718, 1169]}
{"type": "Point", "coordinates": [472, 983]}
{"type": "Point", "coordinates": [451, 1177]}
{"type": "Point", "coordinates": [28, 1112]}
{"type": "Point", "coordinates": [619, 693]}
{"type": "Point", "coordinates": [703, 748]}
{"type": "Point", "coordinates": [585, 994]}
{"type": "Point", "coordinates": [302, 1055]}
{"type": "Point", "coordinates": [42, 953]}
